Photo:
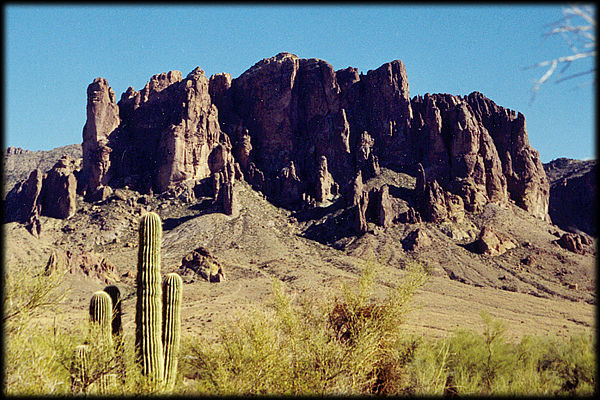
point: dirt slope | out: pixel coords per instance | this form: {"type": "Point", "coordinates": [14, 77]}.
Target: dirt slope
{"type": "Point", "coordinates": [553, 292]}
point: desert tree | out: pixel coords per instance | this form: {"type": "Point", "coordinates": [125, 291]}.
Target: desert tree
{"type": "Point", "coordinates": [577, 27]}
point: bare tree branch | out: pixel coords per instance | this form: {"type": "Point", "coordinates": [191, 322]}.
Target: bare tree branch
{"type": "Point", "coordinates": [582, 34]}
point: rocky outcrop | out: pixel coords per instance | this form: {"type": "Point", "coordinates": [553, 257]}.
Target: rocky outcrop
{"type": "Point", "coordinates": [102, 120]}
{"type": "Point", "coordinates": [300, 132]}
{"type": "Point", "coordinates": [572, 204]}
{"type": "Point", "coordinates": [326, 186]}
{"type": "Point", "coordinates": [19, 163]}
{"type": "Point", "coordinates": [492, 243]}
{"type": "Point", "coordinates": [22, 200]}
{"type": "Point", "coordinates": [480, 151]}
{"type": "Point", "coordinates": [576, 243]}
{"type": "Point", "coordinates": [58, 197]}
{"type": "Point", "coordinates": [88, 264]}
{"type": "Point", "coordinates": [438, 204]}
{"type": "Point", "coordinates": [359, 202]}
{"type": "Point", "coordinates": [201, 262]}
{"type": "Point", "coordinates": [526, 181]}
{"type": "Point", "coordinates": [10, 150]}
{"type": "Point", "coordinates": [51, 194]}
{"type": "Point", "coordinates": [155, 138]}
{"type": "Point", "coordinates": [285, 109]}
{"type": "Point", "coordinates": [366, 161]}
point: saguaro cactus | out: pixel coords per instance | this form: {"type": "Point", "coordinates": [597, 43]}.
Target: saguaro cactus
{"type": "Point", "coordinates": [171, 330]}
{"type": "Point", "coordinates": [115, 296]}
{"type": "Point", "coordinates": [106, 383]}
{"type": "Point", "coordinates": [148, 313]}
{"type": "Point", "coordinates": [101, 313]}
{"type": "Point", "coordinates": [79, 369]}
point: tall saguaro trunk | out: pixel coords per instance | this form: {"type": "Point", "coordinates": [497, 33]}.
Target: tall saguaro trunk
{"type": "Point", "coordinates": [148, 316]}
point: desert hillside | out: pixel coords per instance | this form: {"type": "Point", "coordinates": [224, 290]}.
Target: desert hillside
{"type": "Point", "coordinates": [302, 174]}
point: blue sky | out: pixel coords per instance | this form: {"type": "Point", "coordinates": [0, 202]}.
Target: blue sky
{"type": "Point", "coordinates": [52, 53]}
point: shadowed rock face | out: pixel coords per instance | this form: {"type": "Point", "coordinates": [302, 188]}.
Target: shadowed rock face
{"type": "Point", "coordinates": [301, 131]}
{"type": "Point", "coordinates": [573, 194]}
{"type": "Point", "coordinates": [52, 194]}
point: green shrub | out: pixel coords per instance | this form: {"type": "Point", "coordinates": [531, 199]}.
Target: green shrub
{"type": "Point", "coordinates": [30, 361]}
{"type": "Point", "coordinates": [468, 363]}
{"type": "Point", "coordinates": [344, 345]}
{"type": "Point", "coordinates": [352, 342]}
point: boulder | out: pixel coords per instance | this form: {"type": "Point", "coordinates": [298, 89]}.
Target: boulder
{"type": "Point", "coordinates": [416, 240]}
{"type": "Point", "coordinates": [100, 194]}
{"type": "Point", "coordinates": [201, 262]}
{"type": "Point", "coordinates": [572, 242]}
{"type": "Point", "coordinates": [492, 243]}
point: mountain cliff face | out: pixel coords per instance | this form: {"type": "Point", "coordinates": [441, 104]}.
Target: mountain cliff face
{"type": "Point", "coordinates": [572, 204]}
{"type": "Point", "coordinates": [307, 135]}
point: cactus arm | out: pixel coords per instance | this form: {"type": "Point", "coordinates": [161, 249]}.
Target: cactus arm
{"type": "Point", "coordinates": [171, 332]}
{"type": "Point", "coordinates": [101, 313]}
{"type": "Point", "coordinates": [115, 296]}
{"type": "Point", "coordinates": [79, 369]}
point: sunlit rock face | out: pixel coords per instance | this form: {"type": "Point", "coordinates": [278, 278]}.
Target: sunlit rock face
{"type": "Point", "coordinates": [300, 131]}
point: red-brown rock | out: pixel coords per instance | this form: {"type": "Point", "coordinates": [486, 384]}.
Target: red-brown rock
{"type": "Point", "coordinates": [102, 120]}
{"type": "Point", "coordinates": [22, 200]}
{"type": "Point", "coordinates": [492, 243]}
{"type": "Point", "coordinates": [58, 198]}
{"type": "Point", "coordinates": [438, 205]}
{"type": "Point", "coordinates": [88, 264]}
{"type": "Point", "coordinates": [572, 242]}
{"type": "Point", "coordinates": [415, 240]}
{"type": "Point", "coordinates": [51, 194]}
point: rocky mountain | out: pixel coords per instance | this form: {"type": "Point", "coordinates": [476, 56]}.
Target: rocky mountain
{"type": "Point", "coordinates": [297, 172]}
{"type": "Point", "coordinates": [18, 162]}
{"type": "Point", "coordinates": [572, 204]}
{"type": "Point", "coordinates": [304, 134]}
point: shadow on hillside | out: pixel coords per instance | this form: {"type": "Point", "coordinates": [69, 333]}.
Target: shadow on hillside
{"type": "Point", "coordinates": [317, 213]}
{"type": "Point", "coordinates": [205, 206]}
{"type": "Point", "coordinates": [331, 230]}
{"type": "Point", "coordinates": [171, 223]}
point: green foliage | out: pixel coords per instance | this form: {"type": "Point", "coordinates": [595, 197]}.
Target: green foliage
{"type": "Point", "coordinates": [30, 363]}
{"type": "Point", "coordinates": [469, 363]}
{"type": "Point", "coordinates": [348, 345]}
{"type": "Point", "coordinates": [29, 291]}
